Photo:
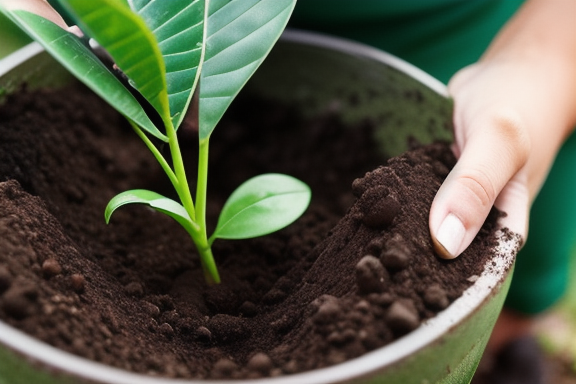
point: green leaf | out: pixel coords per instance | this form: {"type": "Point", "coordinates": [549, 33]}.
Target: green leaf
{"type": "Point", "coordinates": [69, 50]}
{"type": "Point", "coordinates": [178, 26]}
{"type": "Point", "coordinates": [262, 205]}
{"type": "Point", "coordinates": [155, 200]}
{"type": "Point", "coordinates": [240, 33]}
{"type": "Point", "coordinates": [130, 43]}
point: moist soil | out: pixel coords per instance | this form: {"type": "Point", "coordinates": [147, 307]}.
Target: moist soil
{"type": "Point", "coordinates": [356, 271]}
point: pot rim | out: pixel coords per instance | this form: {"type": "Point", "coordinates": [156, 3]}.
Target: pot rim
{"type": "Point", "coordinates": [355, 48]}
{"type": "Point", "coordinates": [428, 333]}
{"type": "Point", "coordinates": [18, 57]}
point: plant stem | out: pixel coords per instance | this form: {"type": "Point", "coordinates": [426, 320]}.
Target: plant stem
{"type": "Point", "coordinates": [197, 213]}
{"type": "Point", "coordinates": [208, 264]}
{"type": "Point", "coordinates": [161, 160]}
{"type": "Point", "coordinates": [182, 189]}
{"type": "Point", "coordinates": [207, 260]}
{"type": "Point", "coordinates": [202, 183]}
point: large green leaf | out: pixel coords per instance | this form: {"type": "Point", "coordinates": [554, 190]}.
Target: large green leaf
{"type": "Point", "coordinates": [155, 200]}
{"type": "Point", "coordinates": [262, 205]}
{"type": "Point", "coordinates": [178, 26]}
{"type": "Point", "coordinates": [127, 38]}
{"type": "Point", "coordinates": [69, 50]}
{"type": "Point", "coordinates": [240, 33]}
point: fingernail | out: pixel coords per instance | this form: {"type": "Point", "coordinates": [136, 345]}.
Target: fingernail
{"type": "Point", "coordinates": [450, 236]}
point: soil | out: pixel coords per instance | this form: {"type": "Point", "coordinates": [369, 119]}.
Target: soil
{"type": "Point", "coordinates": [356, 271]}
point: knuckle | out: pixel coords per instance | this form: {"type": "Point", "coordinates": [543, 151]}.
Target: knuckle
{"type": "Point", "coordinates": [480, 189]}
{"type": "Point", "coordinates": [515, 136]}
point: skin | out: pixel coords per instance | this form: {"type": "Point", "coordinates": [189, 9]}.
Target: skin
{"type": "Point", "coordinates": [42, 8]}
{"type": "Point", "coordinates": [513, 110]}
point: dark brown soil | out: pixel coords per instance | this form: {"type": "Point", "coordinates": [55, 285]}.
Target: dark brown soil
{"type": "Point", "coordinates": [132, 295]}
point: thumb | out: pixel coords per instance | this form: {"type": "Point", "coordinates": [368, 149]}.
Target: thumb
{"type": "Point", "coordinates": [489, 168]}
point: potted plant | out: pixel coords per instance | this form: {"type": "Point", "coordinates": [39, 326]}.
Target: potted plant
{"type": "Point", "coordinates": [446, 347]}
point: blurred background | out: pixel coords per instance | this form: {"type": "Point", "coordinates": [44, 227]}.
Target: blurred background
{"type": "Point", "coordinates": [556, 332]}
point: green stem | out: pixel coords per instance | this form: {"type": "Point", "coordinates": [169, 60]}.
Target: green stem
{"type": "Point", "coordinates": [197, 213]}
{"type": "Point", "coordinates": [182, 188]}
{"type": "Point", "coordinates": [205, 249]}
{"type": "Point", "coordinates": [202, 183]}
{"type": "Point", "coordinates": [207, 261]}
{"type": "Point", "coordinates": [161, 160]}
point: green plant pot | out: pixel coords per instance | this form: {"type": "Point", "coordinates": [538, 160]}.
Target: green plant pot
{"type": "Point", "coordinates": [318, 73]}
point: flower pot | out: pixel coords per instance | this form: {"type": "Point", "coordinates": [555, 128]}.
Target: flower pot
{"type": "Point", "coordinates": [317, 74]}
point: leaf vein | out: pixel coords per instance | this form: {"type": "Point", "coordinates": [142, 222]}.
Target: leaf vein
{"type": "Point", "coordinates": [173, 17]}
{"type": "Point", "coordinates": [231, 46]}
{"type": "Point", "coordinates": [232, 71]}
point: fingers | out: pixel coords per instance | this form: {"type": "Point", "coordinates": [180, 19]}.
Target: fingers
{"type": "Point", "coordinates": [494, 148]}
{"type": "Point", "coordinates": [514, 200]}
{"type": "Point", "coordinates": [39, 7]}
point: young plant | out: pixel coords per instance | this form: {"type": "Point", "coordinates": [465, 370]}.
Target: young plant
{"type": "Point", "coordinates": [171, 51]}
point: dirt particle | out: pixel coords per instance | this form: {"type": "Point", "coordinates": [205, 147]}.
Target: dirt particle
{"type": "Point", "coordinates": [78, 282]}
{"type": "Point", "coordinates": [50, 268]}
{"type": "Point", "coordinates": [473, 278]}
{"type": "Point", "coordinates": [382, 213]}
{"type": "Point", "coordinates": [381, 299]}
{"type": "Point", "coordinates": [284, 324]}
{"type": "Point", "coordinates": [358, 186]}
{"type": "Point", "coordinates": [151, 309]}
{"type": "Point", "coordinates": [134, 289]}
{"type": "Point", "coordinates": [260, 362]}
{"type": "Point", "coordinates": [396, 256]}
{"type": "Point", "coordinates": [328, 310]}
{"type": "Point", "coordinates": [436, 297]}
{"type": "Point", "coordinates": [340, 338]}
{"type": "Point", "coordinates": [224, 368]}
{"type": "Point", "coordinates": [402, 317]}
{"type": "Point", "coordinates": [152, 325]}
{"type": "Point", "coordinates": [291, 366]}
{"type": "Point", "coordinates": [370, 275]}
{"type": "Point", "coordinates": [203, 334]}
{"type": "Point", "coordinates": [375, 246]}
{"type": "Point", "coordinates": [362, 306]}
{"type": "Point", "coordinates": [166, 329]}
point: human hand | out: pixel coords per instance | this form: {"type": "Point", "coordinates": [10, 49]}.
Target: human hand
{"type": "Point", "coordinates": [493, 145]}
{"type": "Point", "coordinates": [41, 8]}
{"type": "Point", "coordinates": [512, 111]}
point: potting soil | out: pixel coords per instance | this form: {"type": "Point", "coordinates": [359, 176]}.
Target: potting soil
{"type": "Point", "coordinates": [354, 273]}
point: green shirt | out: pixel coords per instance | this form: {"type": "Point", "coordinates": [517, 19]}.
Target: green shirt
{"type": "Point", "coordinates": [438, 36]}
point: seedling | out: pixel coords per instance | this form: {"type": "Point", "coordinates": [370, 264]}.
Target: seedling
{"type": "Point", "coordinates": [170, 51]}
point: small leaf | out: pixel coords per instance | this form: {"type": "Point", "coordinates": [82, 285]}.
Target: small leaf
{"type": "Point", "coordinates": [262, 205]}
{"type": "Point", "coordinates": [178, 26]}
{"type": "Point", "coordinates": [127, 38]}
{"type": "Point", "coordinates": [240, 34]}
{"type": "Point", "coordinates": [69, 50]}
{"type": "Point", "coordinates": [155, 200]}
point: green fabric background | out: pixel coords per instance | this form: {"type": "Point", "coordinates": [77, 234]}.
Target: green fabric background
{"type": "Point", "coordinates": [438, 36]}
